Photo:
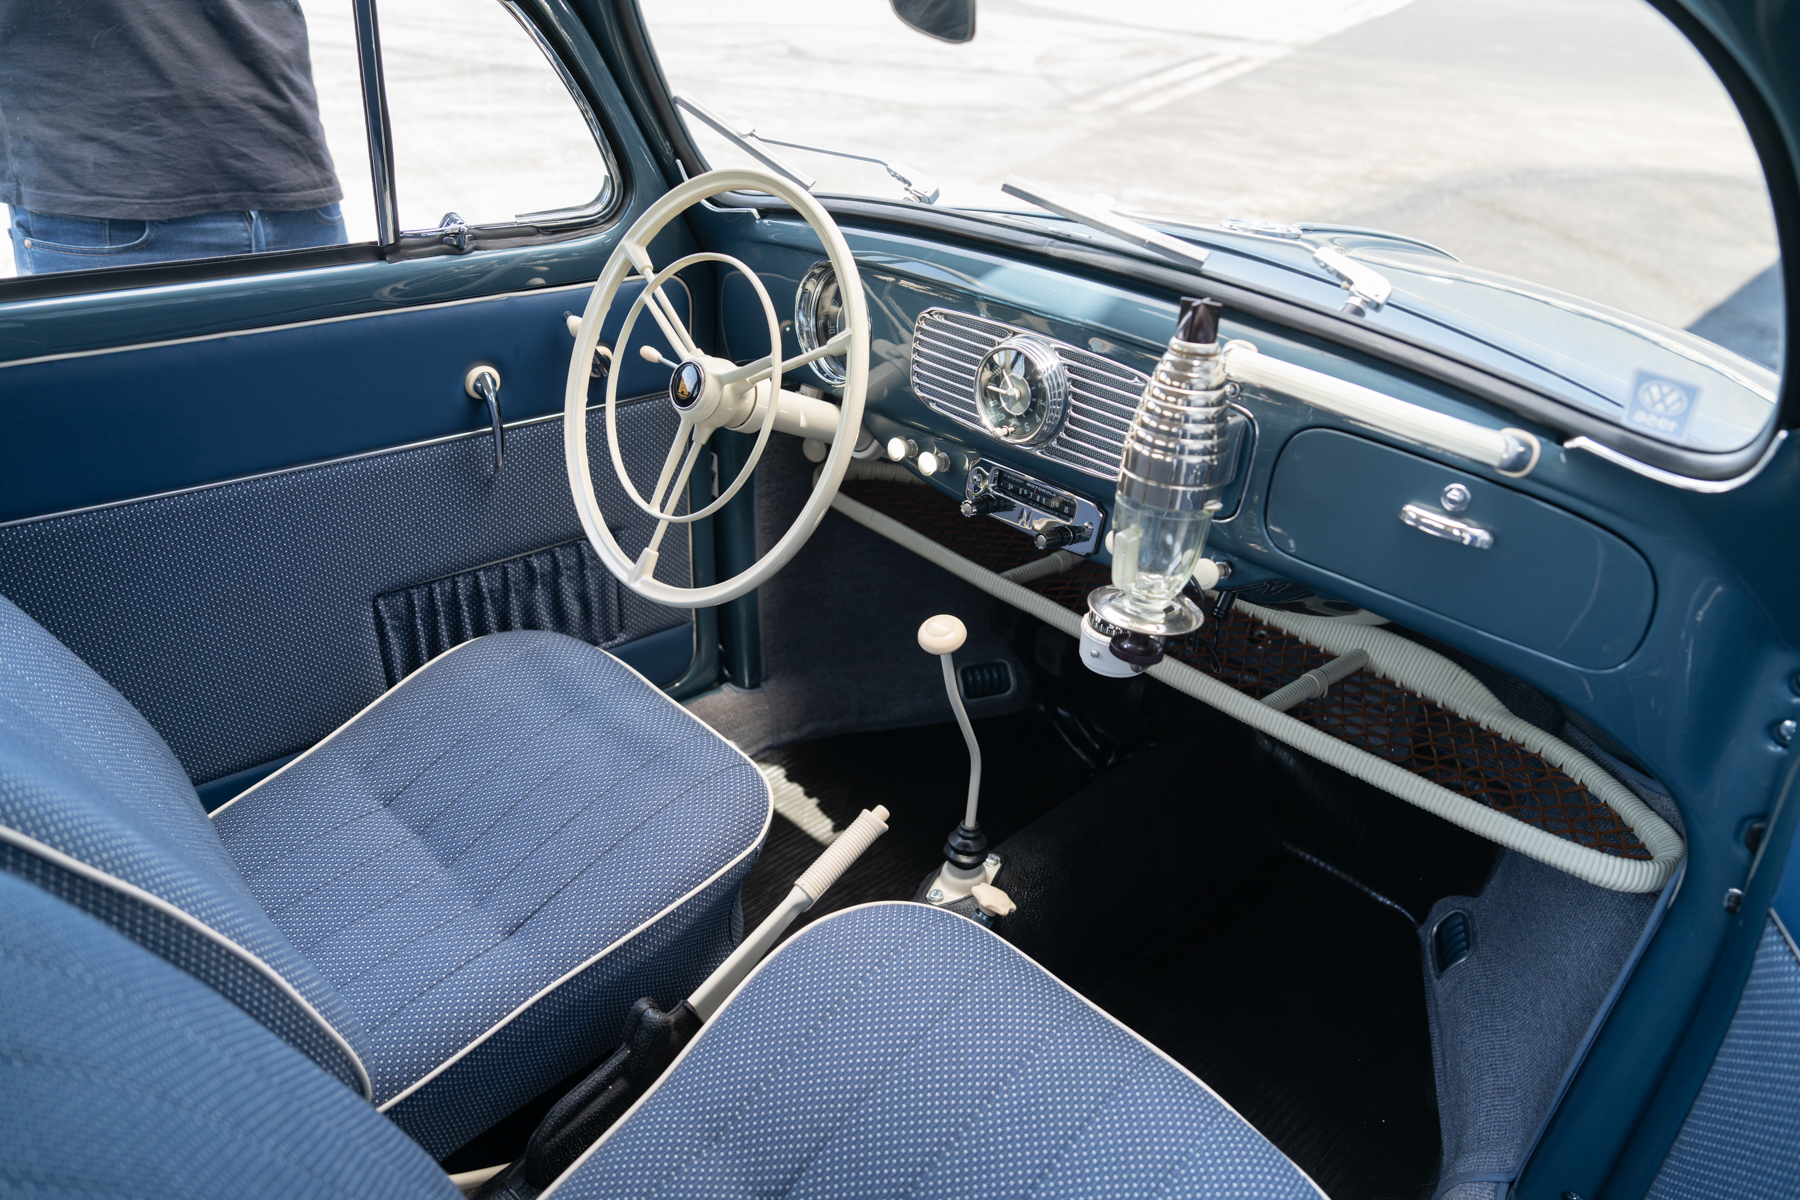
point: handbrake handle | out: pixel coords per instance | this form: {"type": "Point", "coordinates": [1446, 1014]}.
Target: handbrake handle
{"type": "Point", "coordinates": [845, 849]}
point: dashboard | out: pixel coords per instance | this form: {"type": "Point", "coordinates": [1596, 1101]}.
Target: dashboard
{"type": "Point", "coordinates": [1314, 500]}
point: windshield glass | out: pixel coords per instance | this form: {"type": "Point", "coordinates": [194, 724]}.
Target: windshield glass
{"type": "Point", "coordinates": [1580, 148]}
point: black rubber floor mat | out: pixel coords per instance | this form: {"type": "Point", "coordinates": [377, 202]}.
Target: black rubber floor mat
{"type": "Point", "coordinates": [1300, 1001]}
{"type": "Point", "coordinates": [922, 775]}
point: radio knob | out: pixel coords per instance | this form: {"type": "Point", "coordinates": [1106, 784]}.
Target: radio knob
{"type": "Point", "coordinates": [1058, 536]}
{"type": "Point", "coordinates": [974, 506]}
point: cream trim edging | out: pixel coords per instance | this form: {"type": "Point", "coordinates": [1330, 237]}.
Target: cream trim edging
{"type": "Point", "coordinates": [1441, 681]}
{"type": "Point", "coordinates": [713, 1023]}
{"type": "Point", "coordinates": [1616, 874]}
{"type": "Point", "coordinates": [76, 867]}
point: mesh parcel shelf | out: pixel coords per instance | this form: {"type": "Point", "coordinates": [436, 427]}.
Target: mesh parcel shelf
{"type": "Point", "coordinates": [1365, 710]}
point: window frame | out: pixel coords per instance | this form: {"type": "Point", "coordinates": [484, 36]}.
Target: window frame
{"type": "Point", "coordinates": [539, 20]}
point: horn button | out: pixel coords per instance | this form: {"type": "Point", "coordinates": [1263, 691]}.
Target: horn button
{"type": "Point", "coordinates": [687, 385]}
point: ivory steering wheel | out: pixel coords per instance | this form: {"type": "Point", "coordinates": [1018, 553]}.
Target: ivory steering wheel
{"type": "Point", "coordinates": [710, 393]}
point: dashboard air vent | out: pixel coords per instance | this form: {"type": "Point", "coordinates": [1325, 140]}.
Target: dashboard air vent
{"type": "Point", "coordinates": [1103, 394]}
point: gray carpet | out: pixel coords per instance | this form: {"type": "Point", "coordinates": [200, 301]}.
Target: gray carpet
{"type": "Point", "coordinates": [1507, 1021]}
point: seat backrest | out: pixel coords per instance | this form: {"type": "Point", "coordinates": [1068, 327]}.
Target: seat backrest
{"type": "Point", "coordinates": [123, 1076]}
{"type": "Point", "coordinates": [95, 809]}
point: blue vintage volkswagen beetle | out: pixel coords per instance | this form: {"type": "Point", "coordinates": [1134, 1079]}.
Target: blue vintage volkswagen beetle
{"type": "Point", "coordinates": [667, 598]}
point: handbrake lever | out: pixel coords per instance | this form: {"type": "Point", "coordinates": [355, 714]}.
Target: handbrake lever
{"type": "Point", "coordinates": [651, 1038]}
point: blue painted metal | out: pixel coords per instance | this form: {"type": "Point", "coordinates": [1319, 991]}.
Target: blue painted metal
{"type": "Point", "coordinates": [108, 427]}
{"type": "Point", "coordinates": [1551, 581]}
{"type": "Point", "coordinates": [1694, 701]}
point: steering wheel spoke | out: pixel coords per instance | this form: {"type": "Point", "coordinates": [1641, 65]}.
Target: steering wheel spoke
{"type": "Point", "coordinates": [757, 371]}
{"type": "Point", "coordinates": [717, 395]}
{"type": "Point", "coordinates": [682, 441]}
{"type": "Point", "coordinates": [661, 309]}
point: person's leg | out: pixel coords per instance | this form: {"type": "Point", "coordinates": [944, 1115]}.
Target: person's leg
{"type": "Point", "coordinates": [46, 242]}
{"type": "Point", "coordinates": [302, 230]}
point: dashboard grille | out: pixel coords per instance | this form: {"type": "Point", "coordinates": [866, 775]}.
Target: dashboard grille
{"type": "Point", "coordinates": [1103, 394]}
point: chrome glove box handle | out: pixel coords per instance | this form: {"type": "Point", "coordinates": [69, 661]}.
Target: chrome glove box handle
{"type": "Point", "coordinates": [1438, 525]}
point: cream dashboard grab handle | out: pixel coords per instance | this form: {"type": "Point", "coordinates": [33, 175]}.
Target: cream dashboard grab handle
{"type": "Point", "coordinates": [1511, 452]}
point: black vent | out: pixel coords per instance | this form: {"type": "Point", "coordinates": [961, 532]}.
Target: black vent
{"type": "Point", "coordinates": [1453, 940]}
{"type": "Point", "coordinates": [982, 681]}
{"type": "Point", "coordinates": [563, 588]}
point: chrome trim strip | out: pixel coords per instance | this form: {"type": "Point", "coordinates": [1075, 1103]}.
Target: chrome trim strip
{"type": "Point", "coordinates": [213, 337]}
{"type": "Point", "coordinates": [1708, 487]}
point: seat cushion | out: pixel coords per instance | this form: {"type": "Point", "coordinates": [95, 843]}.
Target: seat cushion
{"type": "Point", "coordinates": [493, 861]}
{"type": "Point", "coordinates": [898, 1050]}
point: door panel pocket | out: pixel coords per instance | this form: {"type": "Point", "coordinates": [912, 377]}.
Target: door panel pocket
{"type": "Point", "coordinates": [563, 588]}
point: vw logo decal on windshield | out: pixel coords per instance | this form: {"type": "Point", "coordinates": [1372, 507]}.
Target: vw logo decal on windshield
{"type": "Point", "coordinates": [685, 387]}
{"type": "Point", "coordinates": [1660, 406]}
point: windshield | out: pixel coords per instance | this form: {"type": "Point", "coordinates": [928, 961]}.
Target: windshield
{"type": "Point", "coordinates": [1580, 146]}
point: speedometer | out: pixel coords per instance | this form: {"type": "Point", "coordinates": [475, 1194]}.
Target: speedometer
{"type": "Point", "coordinates": [1022, 391]}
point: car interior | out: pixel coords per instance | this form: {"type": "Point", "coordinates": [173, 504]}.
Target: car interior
{"type": "Point", "coordinates": [743, 688]}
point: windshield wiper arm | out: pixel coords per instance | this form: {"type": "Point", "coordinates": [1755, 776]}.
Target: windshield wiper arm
{"type": "Point", "coordinates": [1368, 288]}
{"type": "Point", "coordinates": [1101, 216]}
{"type": "Point", "coordinates": [919, 188]}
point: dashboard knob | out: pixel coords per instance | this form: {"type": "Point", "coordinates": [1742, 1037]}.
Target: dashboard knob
{"type": "Point", "coordinates": [974, 506]}
{"type": "Point", "coordinates": [1060, 535]}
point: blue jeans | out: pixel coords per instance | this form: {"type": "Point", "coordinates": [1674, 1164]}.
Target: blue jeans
{"type": "Point", "coordinates": [46, 242]}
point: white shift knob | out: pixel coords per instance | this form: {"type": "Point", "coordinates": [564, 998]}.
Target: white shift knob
{"type": "Point", "coordinates": [942, 634]}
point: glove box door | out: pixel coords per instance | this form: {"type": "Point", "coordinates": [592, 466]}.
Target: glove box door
{"type": "Point", "coordinates": [1463, 546]}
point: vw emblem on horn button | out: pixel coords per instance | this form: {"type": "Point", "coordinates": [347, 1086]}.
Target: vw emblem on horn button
{"type": "Point", "coordinates": [688, 382]}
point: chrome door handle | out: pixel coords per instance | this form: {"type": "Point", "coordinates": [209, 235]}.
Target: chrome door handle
{"type": "Point", "coordinates": [1439, 525]}
{"type": "Point", "coordinates": [483, 383]}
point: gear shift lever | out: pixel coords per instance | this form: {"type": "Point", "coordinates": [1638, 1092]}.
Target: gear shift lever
{"type": "Point", "coordinates": [967, 865]}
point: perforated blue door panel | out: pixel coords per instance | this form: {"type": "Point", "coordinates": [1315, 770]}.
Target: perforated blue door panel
{"type": "Point", "coordinates": [239, 618]}
{"type": "Point", "coordinates": [897, 1050]}
{"type": "Point", "coordinates": [523, 814]}
{"type": "Point", "coordinates": [1742, 1137]}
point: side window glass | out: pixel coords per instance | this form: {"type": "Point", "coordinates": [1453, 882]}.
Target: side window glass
{"type": "Point", "coordinates": [137, 133]}
{"type": "Point", "coordinates": [134, 133]}
{"type": "Point", "coordinates": [485, 123]}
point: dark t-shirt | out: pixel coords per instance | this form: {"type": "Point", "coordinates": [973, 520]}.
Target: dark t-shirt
{"type": "Point", "coordinates": [153, 109]}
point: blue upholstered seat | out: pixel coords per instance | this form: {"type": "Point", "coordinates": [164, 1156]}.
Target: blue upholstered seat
{"type": "Point", "coordinates": [888, 1050]}
{"type": "Point", "coordinates": [899, 1050]}
{"type": "Point", "coordinates": [449, 904]}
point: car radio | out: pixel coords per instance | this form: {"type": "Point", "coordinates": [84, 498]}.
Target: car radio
{"type": "Point", "coordinates": [1055, 518]}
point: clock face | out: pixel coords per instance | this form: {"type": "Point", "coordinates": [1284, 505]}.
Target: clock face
{"type": "Point", "coordinates": [1021, 391]}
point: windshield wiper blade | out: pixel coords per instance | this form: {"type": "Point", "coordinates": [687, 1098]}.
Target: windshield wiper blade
{"type": "Point", "coordinates": [919, 188]}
